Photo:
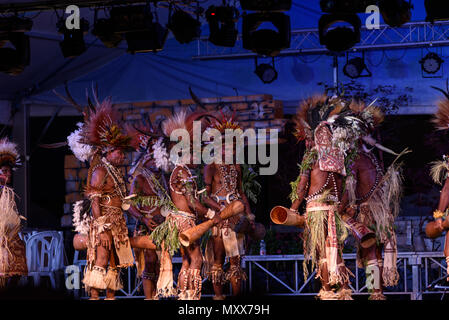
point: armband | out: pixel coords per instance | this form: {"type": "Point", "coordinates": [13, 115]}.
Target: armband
{"type": "Point", "coordinates": [210, 214]}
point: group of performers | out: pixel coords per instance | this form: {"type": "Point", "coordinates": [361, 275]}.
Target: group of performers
{"type": "Point", "coordinates": [342, 181]}
{"type": "Point", "coordinates": [165, 199]}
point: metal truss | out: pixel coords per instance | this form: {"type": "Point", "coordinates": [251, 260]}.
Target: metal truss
{"type": "Point", "coordinates": [282, 275]}
{"type": "Point", "coordinates": [306, 41]}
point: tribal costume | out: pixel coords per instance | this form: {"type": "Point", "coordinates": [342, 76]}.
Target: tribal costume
{"type": "Point", "coordinates": [95, 139]}
{"type": "Point", "coordinates": [379, 206]}
{"type": "Point", "coordinates": [222, 183]}
{"type": "Point", "coordinates": [12, 248]}
{"type": "Point", "coordinates": [325, 231]}
{"type": "Point", "coordinates": [166, 235]}
{"type": "Point", "coordinates": [111, 219]}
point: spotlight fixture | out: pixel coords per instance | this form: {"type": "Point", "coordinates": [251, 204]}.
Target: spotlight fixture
{"type": "Point", "coordinates": [142, 34]}
{"type": "Point", "coordinates": [266, 5]}
{"type": "Point", "coordinates": [222, 30]}
{"type": "Point", "coordinates": [339, 31]}
{"type": "Point", "coordinates": [104, 30]}
{"type": "Point", "coordinates": [184, 27]}
{"type": "Point", "coordinates": [431, 63]}
{"type": "Point", "coordinates": [264, 41]}
{"type": "Point", "coordinates": [14, 61]}
{"type": "Point", "coordinates": [267, 73]}
{"type": "Point", "coordinates": [150, 40]}
{"type": "Point", "coordinates": [395, 12]}
{"type": "Point", "coordinates": [437, 10]}
{"type": "Point", "coordinates": [73, 44]}
{"type": "Point", "coordinates": [14, 58]}
{"type": "Point", "coordinates": [354, 68]}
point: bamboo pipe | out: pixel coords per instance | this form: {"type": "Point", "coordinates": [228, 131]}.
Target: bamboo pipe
{"type": "Point", "coordinates": [287, 217]}
{"type": "Point", "coordinates": [139, 242]}
{"type": "Point", "coordinates": [191, 235]}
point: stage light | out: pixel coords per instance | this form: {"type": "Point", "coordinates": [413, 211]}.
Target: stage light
{"type": "Point", "coordinates": [14, 58]}
{"type": "Point", "coordinates": [431, 63]}
{"type": "Point", "coordinates": [184, 27]}
{"type": "Point", "coordinates": [339, 31]}
{"type": "Point", "coordinates": [222, 30]}
{"type": "Point", "coordinates": [267, 73]}
{"type": "Point", "coordinates": [73, 44]}
{"type": "Point", "coordinates": [104, 30]}
{"type": "Point", "coordinates": [151, 40]}
{"type": "Point", "coordinates": [354, 68]}
{"type": "Point", "coordinates": [266, 5]}
{"type": "Point", "coordinates": [437, 10]}
{"type": "Point", "coordinates": [264, 41]}
{"type": "Point", "coordinates": [14, 61]}
{"type": "Point", "coordinates": [395, 12]}
{"type": "Point", "coordinates": [142, 34]}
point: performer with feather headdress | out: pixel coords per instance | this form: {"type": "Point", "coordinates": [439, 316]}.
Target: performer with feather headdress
{"type": "Point", "coordinates": [102, 141]}
{"type": "Point", "coordinates": [223, 185]}
{"type": "Point", "coordinates": [320, 183]}
{"type": "Point", "coordinates": [185, 196]}
{"type": "Point", "coordinates": [371, 196]}
{"type": "Point", "coordinates": [12, 249]}
{"type": "Point", "coordinates": [151, 204]}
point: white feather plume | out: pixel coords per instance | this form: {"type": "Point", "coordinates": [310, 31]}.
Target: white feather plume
{"type": "Point", "coordinates": [161, 156]}
{"type": "Point", "coordinates": [82, 151]}
{"type": "Point", "coordinates": [81, 220]}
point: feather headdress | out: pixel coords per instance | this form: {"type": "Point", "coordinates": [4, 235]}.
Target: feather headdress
{"type": "Point", "coordinates": [102, 129]}
{"type": "Point", "coordinates": [83, 152]}
{"type": "Point", "coordinates": [8, 153]}
{"type": "Point", "coordinates": [312, 111]}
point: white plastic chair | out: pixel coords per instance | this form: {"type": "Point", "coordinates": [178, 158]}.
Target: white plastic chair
{"type": "Point", "coordinates": [45, 255]}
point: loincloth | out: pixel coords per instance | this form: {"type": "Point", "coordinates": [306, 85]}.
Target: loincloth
{"type": "Point", "coordinates": [324, 237]}
{"type": "Point", "coordinates": [112, 220]}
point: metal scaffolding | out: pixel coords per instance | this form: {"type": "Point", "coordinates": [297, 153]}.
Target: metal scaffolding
{"type": "Point", "coordinates": [282, 275]}
{"type": "Point", "coordinates": [307, 42]}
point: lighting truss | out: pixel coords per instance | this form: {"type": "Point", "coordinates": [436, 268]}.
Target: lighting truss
{"type": "Point", "coordinates": [307, 42]}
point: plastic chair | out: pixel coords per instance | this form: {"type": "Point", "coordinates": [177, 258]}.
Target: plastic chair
{"type": "Point", "coordinates": [45, 255]}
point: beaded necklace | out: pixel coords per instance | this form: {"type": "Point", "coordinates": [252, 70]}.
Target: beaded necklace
{"type": "Point", "coordinates": [117, 178]}
{"type": "Point", "coordinates": [378, 177]}
{"type": "Point", "coordinates": [316, 195]}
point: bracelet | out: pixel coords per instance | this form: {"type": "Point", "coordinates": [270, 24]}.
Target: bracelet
{"type": "Point", "coordinates": [437, 214]}
{"type": "Point", "coordinates": [294, 210]}
{"type": "Point", "coordinates": [210, 214]}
